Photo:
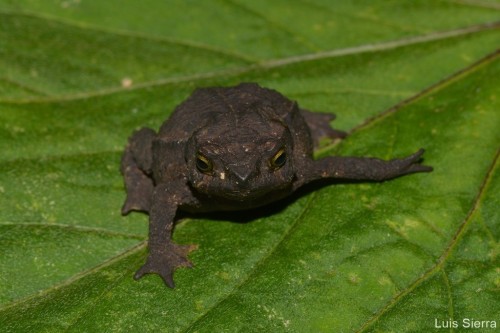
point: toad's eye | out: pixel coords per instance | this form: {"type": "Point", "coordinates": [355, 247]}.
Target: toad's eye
{"type": "Point", "coordinates": [203, 163]}
{"type": "Point", "coordinates": [279, 159]}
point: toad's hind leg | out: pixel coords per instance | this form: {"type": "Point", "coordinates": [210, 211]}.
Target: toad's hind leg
{"type": "Point", "coordinates": [319, 126]}
{"type": "Point", "coordinates": [136, 169]}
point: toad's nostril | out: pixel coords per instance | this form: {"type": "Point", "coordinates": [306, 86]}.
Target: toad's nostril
{"type": "Point", "coordinates": [241, 172]}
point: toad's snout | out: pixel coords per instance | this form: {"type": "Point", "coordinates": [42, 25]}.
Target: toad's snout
{"type": "Point", "coordinates": [242, 173]}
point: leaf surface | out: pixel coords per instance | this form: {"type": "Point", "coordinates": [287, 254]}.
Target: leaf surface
{"type": "Point", "coordinates": [78, 77]}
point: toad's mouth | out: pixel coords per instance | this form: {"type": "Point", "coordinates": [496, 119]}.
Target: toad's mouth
{"type": "Point", "coordinates": [239, 195]}
{"type": "Point", "coordinates": [256, 194]}
{"type": "Point", "coordinates": [243, 194]}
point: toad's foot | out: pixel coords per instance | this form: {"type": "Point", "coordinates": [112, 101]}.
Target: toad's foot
{"type": "Point", "coordinates": [136, 201]}
{"type": "Point", "coordinates": [410, 164]}
{"type": "Point", "coordinates": [165, 261]}
{"type": "Point", "coordinates": [319, 126]}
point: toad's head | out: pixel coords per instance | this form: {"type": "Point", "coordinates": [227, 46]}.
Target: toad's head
{"type": "Point", "coordinates": [240, 163]}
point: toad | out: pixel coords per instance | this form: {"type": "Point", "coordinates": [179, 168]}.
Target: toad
{"type": "Point", "coordinates": [232, 148]}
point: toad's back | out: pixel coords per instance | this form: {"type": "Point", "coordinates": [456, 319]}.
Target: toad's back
{"type": "Point", "coordinates": [238, 106]}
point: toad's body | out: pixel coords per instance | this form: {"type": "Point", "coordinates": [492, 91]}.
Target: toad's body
{"type": "Point", "coordinates": [231, 149]}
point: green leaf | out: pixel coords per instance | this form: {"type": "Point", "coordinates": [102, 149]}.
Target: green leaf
{"type": "Point", "coordinates": [406, 255]}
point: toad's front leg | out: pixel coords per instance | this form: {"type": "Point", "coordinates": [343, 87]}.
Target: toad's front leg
{"type": "Point", "coordinates": [362, 168]}
{"type": "Point", "coordinates": [165, 256]}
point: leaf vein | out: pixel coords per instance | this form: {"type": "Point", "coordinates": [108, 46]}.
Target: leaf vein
{"type": "Point", "coordinates": [78, 228]}
{"type": "Point", "coordinates": [411, 100]}
{"type": "Point", "coordinates": [477, 3]}
{"type": "Point", "coordinates": [129, 34]}
{"type": "Point", "coordinates": [446, 281]}
{"type": "Point", "coordinates": [41, 294]}
{"type": "Point", "coordinates": [270, 64]}
{"type": "Point", "coordinates": [277, 26]}
{"type": "Point", "coordinates": [439, 264]}
{"type": "Point", "coordinates": [24, 87]}
{"type": "Point", "coordinates": [89, 307]}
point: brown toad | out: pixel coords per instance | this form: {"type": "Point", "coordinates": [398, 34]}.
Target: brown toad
{"type": "Point", "coordinates": [232, 148]}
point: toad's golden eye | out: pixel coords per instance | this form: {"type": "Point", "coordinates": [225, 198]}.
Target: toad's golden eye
{"type": "Point", "coordinates": [203, 163]}
{"type": "Point", "coordinates": [279, 159]}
